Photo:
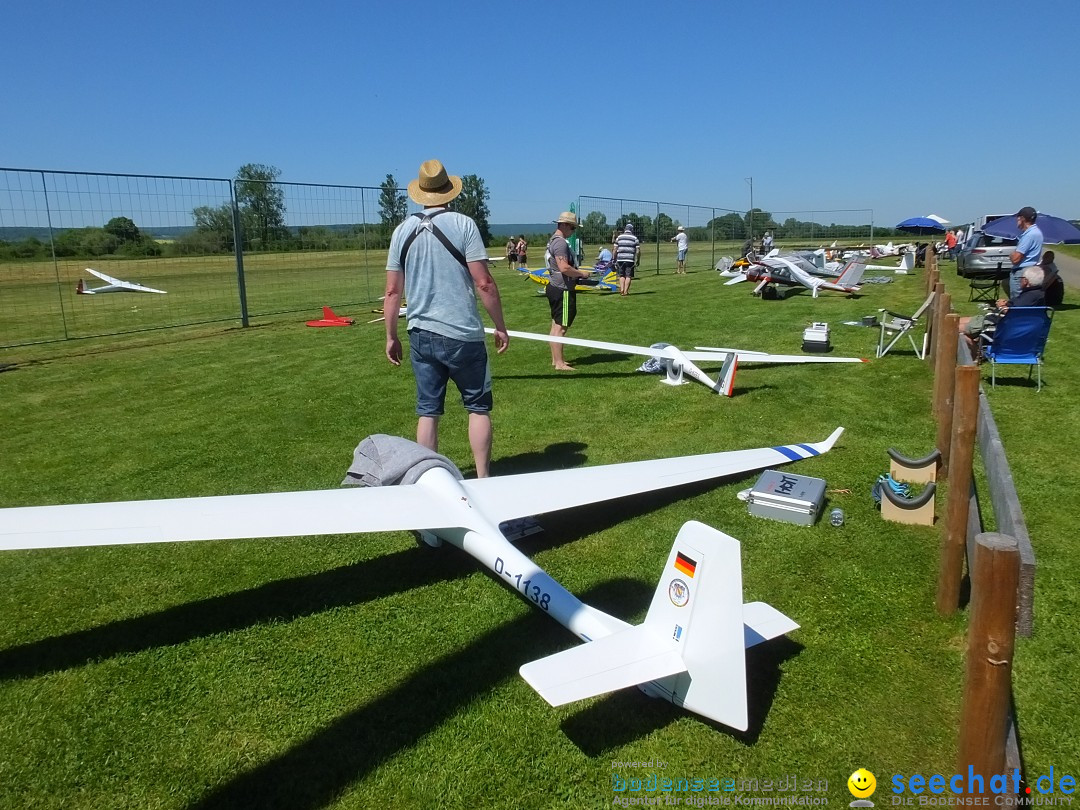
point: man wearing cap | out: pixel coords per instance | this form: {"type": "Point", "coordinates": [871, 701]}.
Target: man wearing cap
{"type": "Point", "coordinates": [563, 274]}
{"type": "Point", "coordinates": [682, 244]}
{"type": "Point", "coordinates": [439, 261]}
{"type": "Point", "coordinates": [627, 253]}
{"type": "Point", "coordinates": [1028, 249]}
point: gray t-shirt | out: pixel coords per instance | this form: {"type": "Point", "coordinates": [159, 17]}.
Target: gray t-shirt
{"type": "Point", "coordinates": [557, 246]}
{"type": "Point", "coordinates": [439, 291]}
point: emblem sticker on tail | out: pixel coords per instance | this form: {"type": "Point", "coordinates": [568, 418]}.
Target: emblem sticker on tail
{"type": "Point", "coordinates": [678, 593]}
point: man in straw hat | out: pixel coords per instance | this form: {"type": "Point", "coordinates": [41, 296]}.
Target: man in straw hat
{"type": "Point", "coordinates": [439, 260]}
{"type": "Point", "coordinates": [563, 273]}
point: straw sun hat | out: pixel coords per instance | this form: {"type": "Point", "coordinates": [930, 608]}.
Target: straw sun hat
{"type": "Point", "coordinates": [434, 186]}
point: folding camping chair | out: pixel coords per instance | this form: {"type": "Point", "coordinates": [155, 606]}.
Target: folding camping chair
{"type": "Point", "coordinates": [983, 289]}
{"type": "Point", "coordinates": [897, 325]}
{"type": "Point", "coordinates": [1018, 339]}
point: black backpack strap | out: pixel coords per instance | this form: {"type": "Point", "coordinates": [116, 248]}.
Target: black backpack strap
{"type": "Point", "coordinates": [425, 219]}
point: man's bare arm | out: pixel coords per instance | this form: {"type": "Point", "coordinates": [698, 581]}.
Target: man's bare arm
{"type": "Point", "coordinates": [395, 283]}
{"type": "Point", "coordinates": [488, 291]}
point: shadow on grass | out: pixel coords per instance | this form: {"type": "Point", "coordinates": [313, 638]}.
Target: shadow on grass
{"type": "Point", "coordinates": [558, 456]}
{"type": "Point", "coordinates": [624, 716]}
{"type": "Point", "coordinates": [316, 772]}
{"type": "Point", "coordinates": [283, 600]}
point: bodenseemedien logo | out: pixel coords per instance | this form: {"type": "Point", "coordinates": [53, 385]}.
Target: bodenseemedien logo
{"type": "Point", "coordinates": [862, 785]}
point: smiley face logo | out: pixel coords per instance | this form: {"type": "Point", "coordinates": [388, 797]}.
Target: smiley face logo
{"type": "Point", "coordinates": [862, 784]}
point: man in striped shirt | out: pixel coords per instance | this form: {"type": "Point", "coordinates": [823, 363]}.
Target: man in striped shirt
{"type": "Point", "coordinates": [627, 253]}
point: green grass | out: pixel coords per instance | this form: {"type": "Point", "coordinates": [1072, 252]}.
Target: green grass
{"type": "Point", "coordinates": [363, 671]}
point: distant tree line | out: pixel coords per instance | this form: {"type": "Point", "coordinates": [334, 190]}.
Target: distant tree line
{"type": "Point", "coordinates": [733, 226]}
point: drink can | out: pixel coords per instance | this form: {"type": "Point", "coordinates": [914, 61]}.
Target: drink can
{"type": "Point", "coordinates": [836, 517]}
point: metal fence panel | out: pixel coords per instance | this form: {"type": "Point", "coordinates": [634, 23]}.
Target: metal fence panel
{"type": "Point", "coordinates": [128, 227]}
{"type": "Point", "coordinates": [209, 243]}
{"type": "Point", "coordinates": [331, 252]}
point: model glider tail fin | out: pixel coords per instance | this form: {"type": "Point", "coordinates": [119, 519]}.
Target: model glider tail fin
{"type": "Point", "coordinates": [82, 289]}
{"type": "Point", "coordinates": [699, 603]}
{"type": "Point", "coordinates": [852, 274]}
{"type": "Point", "coordinates": [725, 383]}
{"type": "Point", "coordinates": [690, 649]}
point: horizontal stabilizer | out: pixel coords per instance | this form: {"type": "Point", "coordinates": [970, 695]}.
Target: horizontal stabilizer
{"type": "Point", "coordinates": [627, 658]}
{"type": "Point", "coordinates": [762, 622]}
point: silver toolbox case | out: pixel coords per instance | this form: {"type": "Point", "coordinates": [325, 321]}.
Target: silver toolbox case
{"type": "Point", "coordinates": [788, 497]}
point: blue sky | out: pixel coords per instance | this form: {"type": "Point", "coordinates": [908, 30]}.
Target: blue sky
{"type": "Point", "coordinates": [959, 108]}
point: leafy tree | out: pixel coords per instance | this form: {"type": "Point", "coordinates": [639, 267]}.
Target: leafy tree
{"type": "Point", "coordinates": [758, 221]}
{"type": "Point", "coordinates": [643, 226]}
{"type": "Point", "coordinates": [123, 229]}
{"type": "Point", "coordinates": [393, 204]}
{"type": "Point", "coordinates": [473, 203]}
{"type": "Point", "coordinates": [729, 227]}
{"type": "Point", "coordinates": [213, 230]}
{"type": "Point", "coordinates": [665, 226]}
{"type": "Point", "coordinates": [261, 202]}
{"type": "Point", "coordinates": [595, 229]}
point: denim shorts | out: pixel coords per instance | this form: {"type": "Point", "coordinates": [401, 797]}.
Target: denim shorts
{"type": "Point", "coordinates": [436, 360]}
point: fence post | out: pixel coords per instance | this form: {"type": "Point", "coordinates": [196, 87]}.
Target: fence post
{"type": "Point", "coordinates": [954, 532]}
{"type": "Point", "coordinates": [940, 307]}
{"type": "Point", "coordinates": [238, 247]}
{"type": "Point", "coordinates": [945, 387]}
{"type": "Point", "coordinates": [991, 639]}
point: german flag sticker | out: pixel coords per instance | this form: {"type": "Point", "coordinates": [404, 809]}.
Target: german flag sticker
{"type": "Point", "coordinates": [685, 564]}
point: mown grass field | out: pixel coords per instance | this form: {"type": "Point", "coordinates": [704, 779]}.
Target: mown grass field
{"type": "Point", "coordinates": [363, 671]}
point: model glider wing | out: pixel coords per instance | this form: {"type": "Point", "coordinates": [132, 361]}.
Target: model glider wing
{"type": "Point", "coordinates": [107, 279]}
{"type": "Point", "coordinates": [227, 517]}
{"type": "Point", "coordinates": [119, 285]}
{"type": "Point", "coordinates": [515, 496]}
{"type": "Point", "coordinates": [625, 348]}
{"type": "Point", "coordinates": [705, 354]}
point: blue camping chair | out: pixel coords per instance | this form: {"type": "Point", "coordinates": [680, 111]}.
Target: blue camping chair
{"type": "Point", "coordinates": [1020, 338]}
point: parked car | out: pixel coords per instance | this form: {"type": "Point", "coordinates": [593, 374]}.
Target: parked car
{"type": "Point", "coordinates": [984, 255]}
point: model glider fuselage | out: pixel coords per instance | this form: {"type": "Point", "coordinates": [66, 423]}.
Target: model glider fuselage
{"type": "Point", "coordinates": [689, 650]}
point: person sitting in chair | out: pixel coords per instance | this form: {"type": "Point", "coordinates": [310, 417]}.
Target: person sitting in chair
{"type": "Point", "coordinates": [1053, 286]}
{"type": "Point", "coordinates": [1031, 295]}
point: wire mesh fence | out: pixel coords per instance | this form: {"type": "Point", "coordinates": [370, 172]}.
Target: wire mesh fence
{"type": "Point", "coordinates": [214, 249]}
{"type": "Point", "coordinates": [219, 250]}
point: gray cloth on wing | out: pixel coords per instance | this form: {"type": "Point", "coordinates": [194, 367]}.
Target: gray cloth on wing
{"type": "Point", "coordinates": [655, 365]}
{"type": "Point", "coordinates": [382, 461]}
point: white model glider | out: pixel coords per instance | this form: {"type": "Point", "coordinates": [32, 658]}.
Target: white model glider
{"type": "Point", "coordinates": [795, 271]}
{"type": "Point", "coordinates": [907, 262]}
{"type": "Point", "coordinates": [678, 363]}
{"type": "Point", "coordinates": [689, 649]}
{"type": "Point", "coordinates": [112, 285]}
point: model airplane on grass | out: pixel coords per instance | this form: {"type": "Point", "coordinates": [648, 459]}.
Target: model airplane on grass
{"type": "Point", "coordinates": [907, 262]}
{"type": "Point", "coordinates": [112, 285]}
{"type": "Point", "coordinates": [794, 271]}
{"type": "Point", "coordinates": [602, 280]}
{"type": "Point", "coordinates": [689, 650]}
{"type": "Point", "coordinates": [679, 363]}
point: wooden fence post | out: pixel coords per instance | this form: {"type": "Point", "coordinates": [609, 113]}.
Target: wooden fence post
{"type": "Point", "coordinates": [945, 387]}
{"type": "Point", "coordinates": [962, 451]}
{"type": "Point", "coordinates": [991, 638]}
{"type": "Point", "coordinates": [940, 309]}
